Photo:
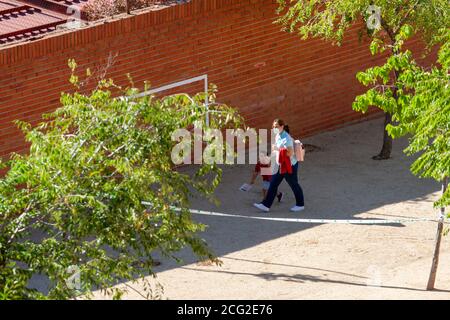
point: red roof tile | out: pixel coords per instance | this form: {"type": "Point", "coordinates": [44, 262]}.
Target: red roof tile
{"type": "Point", "coordinates": [30, 18]}
{"type": "Point", "coordinates": [27, 19]}
{"type": "Point", "coordinates": [61, 6]}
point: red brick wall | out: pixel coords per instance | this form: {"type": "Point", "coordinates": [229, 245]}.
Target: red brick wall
{"type": "Point", "coordinates": [262, 71]}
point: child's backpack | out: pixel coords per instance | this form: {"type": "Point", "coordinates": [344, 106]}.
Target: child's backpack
{"type": "Point", "coordinates": [299, 150]}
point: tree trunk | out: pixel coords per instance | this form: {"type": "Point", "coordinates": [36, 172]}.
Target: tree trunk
{"type": "Point", "coordinates": [128, 6]}
{"type": "Point", "coordinates": [440, 228]}
{"type": "Point", "coordinates": [386, 150]}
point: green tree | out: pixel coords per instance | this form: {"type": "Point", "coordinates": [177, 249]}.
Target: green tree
{"type": "Point", "coordinates": [330, 20]}
{"type": "Point", "coordinates": [420, 109]}
{"type": "Point", "coordinates": [76, 198]}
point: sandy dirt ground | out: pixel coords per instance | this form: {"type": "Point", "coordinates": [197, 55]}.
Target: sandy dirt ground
{"type": "Point", "coordinates": [285, 260]}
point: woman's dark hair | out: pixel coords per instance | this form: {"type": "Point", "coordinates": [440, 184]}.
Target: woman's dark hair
{"type": "Point", "coordinates": [286, 128]}
{"type": "Point", "coordinates": [282, 123]}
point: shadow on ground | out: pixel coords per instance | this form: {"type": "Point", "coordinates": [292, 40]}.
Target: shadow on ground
{"type": "Point", "coordinates": [340, 181]}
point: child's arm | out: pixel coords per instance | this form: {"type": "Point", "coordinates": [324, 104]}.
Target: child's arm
{"type": "Point", "coordinates": [254, 175]}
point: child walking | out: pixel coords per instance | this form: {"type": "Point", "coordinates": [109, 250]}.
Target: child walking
{"type": "Point", "coordinates": [263, 168]}
{"type": "Point", "coordinates": [287, 169]}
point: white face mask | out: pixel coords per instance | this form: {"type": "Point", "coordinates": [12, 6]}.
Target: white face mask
{"type": "Point", "coordinates": [276, 131]}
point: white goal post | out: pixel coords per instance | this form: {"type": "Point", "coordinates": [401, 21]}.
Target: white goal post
{"type": "Point", "coordinates": [203, 78]}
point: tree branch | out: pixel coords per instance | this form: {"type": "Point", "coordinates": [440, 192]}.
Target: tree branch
{"type": "Point", "coordinates": [19, 221]}
{"type": "Point", "coordinates": [402, 21]}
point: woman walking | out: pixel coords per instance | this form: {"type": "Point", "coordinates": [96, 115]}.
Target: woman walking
{"type": "Point", "coordinates": [287, 168]}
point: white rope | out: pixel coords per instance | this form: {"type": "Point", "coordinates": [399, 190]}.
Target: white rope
{"type": "Point", "coordinates": [311, 221]}
{"type": "Point", "coordinates": [315, 221]}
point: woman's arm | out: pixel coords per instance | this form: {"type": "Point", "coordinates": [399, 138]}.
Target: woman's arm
{"type": "Point", "coordinates": [290, 151]}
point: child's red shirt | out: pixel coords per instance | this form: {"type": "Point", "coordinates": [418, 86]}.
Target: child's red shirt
{"type": "Point", "coordinates": [258, 167]}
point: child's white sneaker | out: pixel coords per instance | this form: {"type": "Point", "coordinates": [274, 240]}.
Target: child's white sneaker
{"type": "Point", "coordinates": [245, 187]}
{"type": "Point", "coordinates": [261, 207]}
{"type": "Point", "coordinates": [297, 208]}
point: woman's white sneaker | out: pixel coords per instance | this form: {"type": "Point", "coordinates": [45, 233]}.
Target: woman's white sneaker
{"type": "Point", "coordinates": [297, 209]}
{"type": "Point", "coordinates": [261, 207]}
